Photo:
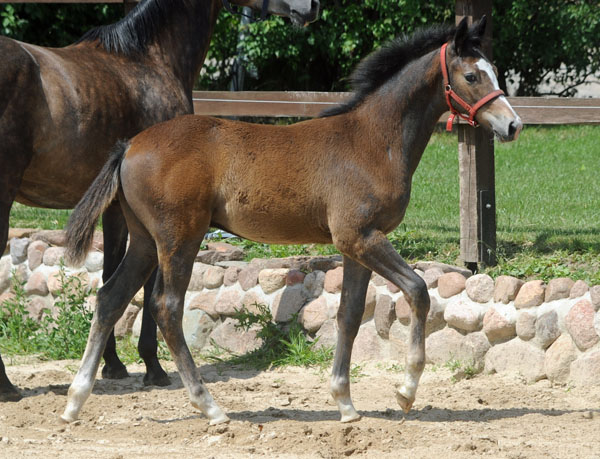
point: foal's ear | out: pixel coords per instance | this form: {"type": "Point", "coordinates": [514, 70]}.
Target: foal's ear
{"type": "Point", "coordinates": [461, 35]}
{"type": "Point", "coordinates": [479, 28]}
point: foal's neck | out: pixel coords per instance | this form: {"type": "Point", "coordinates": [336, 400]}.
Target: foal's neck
{"type": "Point", "coordinates": [183, 43]}
{"type": "Point", "coordinates": [406, 109]}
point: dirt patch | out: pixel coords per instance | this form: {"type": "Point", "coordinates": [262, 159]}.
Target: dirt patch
{"type": "Point", "coordinates": [289, 413]}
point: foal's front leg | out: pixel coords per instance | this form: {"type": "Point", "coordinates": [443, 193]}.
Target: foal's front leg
{"type": "Point", "coordinates": [377, 253]}
{"type": "Point", "coordinates": [352, 306]}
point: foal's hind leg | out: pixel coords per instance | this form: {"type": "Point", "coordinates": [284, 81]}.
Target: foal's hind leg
{"type": "Point", "coordinates": [167, 306]}
{"type": "Point", "coordinates": [115, 241]}
{"type": "Point", "coordinates": [352, 306]}
{"type": "Point", "coordinates": [375, 252]}
{"type": "Point", "coordinates": [113, 298]}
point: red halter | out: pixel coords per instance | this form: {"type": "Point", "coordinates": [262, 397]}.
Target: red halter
{"type": "Point", "coordinates": [450, 94]}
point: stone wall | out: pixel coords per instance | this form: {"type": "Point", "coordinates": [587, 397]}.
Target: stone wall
{"type": "Point", "coordinates": [538, 330]}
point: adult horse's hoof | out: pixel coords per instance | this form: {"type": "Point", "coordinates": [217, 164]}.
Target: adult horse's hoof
{"type": "Point", "coordinates": [10, 394]}
{"type": "Point", "coordinates": [119, 372]}
{"type": "Point", "coordinates": [219, 420]}
{"type": "Point", "coordinates": [157, 379]}
{"type": "Point", "coordinates": [404, 403]}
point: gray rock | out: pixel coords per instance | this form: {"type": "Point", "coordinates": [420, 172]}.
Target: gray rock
{"type": "Point", "coordinates": [506, 289]}
{"type": "Point", "coordinates": [427, 265]}
{"type": "Point", "coordinates": [35, 254]}
{"type": "Point", "coordinates": [124, 325]}
{"type": "Point", "coordinates": [368, 346]}
{"type": "Point", "coordinates": [313, 284]}
{"type": "Point", "coordinates": [435, 317]}
{"type": "Point", "coordinates": [314, 315]}
{"type": "Point", "coordinates": [53, 255]}
{"type": "Point", "coordinates": [18, 250]}
{"type": "Point", "coordinates": [402, 310]}
{"type": "Point", "coordinates": [595, 297]}
{"type": "Point", "coordinates": [463, 314]}
{"type": "Point", "coordinates": [559, 356]}
{"type": "Point", "coordinates": [36, 285]}
{"type": "Point", "coordinates": [580, 324]}
{"type": "Point", "coordinates": [197, 279]}
{"type": "Point", "coordinates": [36, 305]}
{"type": "Point", "coordinates": [530, 295]}
{"type": "Point", "coordinates": [197, 327]}
{"type": "Point", "coordinates": [213, 277]}
{"type": "Point", "coordinates": [287, 303]}
{"type": "Point", "coordinates": [5, 267]}
{"type": "Point", "coordinates": [546, 329]}
{"type": "Point", "coordinates": [526, 326]}
{"type": "Point", "coordinates": [333, 280]}
{"type": "Point", "coordinates": [451, 284]}
{"type": "Point", "coordinates": [398, 338]}
{"type": "Point", "coordinates": [207, 302]}
{"type": "Point", "coordinates": [448, 344]}
{"type": "Point", "coordinates": [480, 288]}
{"type": "Point", "coordinates": [385, 314]}
{"type": "Point", "coordinates": [238, 341]}
{"type": "Point", "coordinates": [94, 261]}
{"type": "Point", "coordinates": [230, 277]}
{"type": "Point", "coordinates": [248, 277]}
{"type": "Point", "coordinates": [585, 370]}
{"type": "Point", "coordinates": [498, 325]}
{"type": "Point", "coordinates": [271, 280]}
{"type": "Point", "coordinates": [327, 334]}
{"type": "Point", "coordinates": [558, 289]}
{"type": "Point", "coordinates": [516, 356]}
{"type": "Point", "coordinates": [579, 288]}
{"type": "Point", "coordinates": [431, 277]}
{"type": "Point", "coordinates": [370, 302]}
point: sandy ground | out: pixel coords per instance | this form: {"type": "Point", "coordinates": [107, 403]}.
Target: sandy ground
{"type": "Point", "coordinates": [289, 413]}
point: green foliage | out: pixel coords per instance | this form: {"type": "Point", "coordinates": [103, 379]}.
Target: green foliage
{"type": "Point", "coordinates": [282, 345]}
{"type": "Point", "coordinates": [17, 329]}
{"type": "Point", "coordinates": [59, 336]}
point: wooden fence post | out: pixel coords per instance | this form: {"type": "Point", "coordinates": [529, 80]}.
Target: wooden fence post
{"type": "Point", "coordinates": [476, 167]}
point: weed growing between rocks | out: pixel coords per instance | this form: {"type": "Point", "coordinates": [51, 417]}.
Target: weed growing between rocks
{"type": "Point", "coordinates": [282, 344]}
{"type": "Point", "coordinates": [61, 334]}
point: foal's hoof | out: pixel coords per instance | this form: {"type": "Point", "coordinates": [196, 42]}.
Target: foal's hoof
{"type": "Point", "coordinates": [114, 373]}
{"type": "Point", "coordinates": [10, 394]}
{"type": "Point", "coordinates": [219, 420]}
{"type": "Point", "coordinates": [157, 379]}
{"type": "Point", "coordinates": [350, 417]}
{"type": "Point", "coordinates": [404, 403]}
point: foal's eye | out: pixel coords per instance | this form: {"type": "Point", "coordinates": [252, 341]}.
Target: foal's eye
{"type": "Point", "coordinates": [470, 77]}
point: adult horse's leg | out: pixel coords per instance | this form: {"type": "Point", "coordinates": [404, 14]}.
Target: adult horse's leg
{"type": "Point", "coordinates": [12, 166]}
{"type": "Point", "coordinates": [352, 306]}
{"type": "Point", "coordinates": [167, 307]}
{"type": "Point", "coordinates": [377, 253]}
{"type": "Point", "coordinates": [113, 298]}
{"type": "Point", "coordinates": [115, 241]}
{"type": "Point", "coordinates": [148, 343]}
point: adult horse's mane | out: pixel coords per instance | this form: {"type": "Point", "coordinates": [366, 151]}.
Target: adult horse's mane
{"type": "Point", "coordinates": [381, 65]}
{"type": "Point", "coordinates": [133, 33]}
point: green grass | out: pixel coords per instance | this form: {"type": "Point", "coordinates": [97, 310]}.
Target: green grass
{"type": "Point", "coordinates": [547, 198]}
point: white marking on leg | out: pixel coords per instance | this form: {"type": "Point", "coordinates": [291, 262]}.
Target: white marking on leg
{"type": "Point", "coordinates": [340, 391]}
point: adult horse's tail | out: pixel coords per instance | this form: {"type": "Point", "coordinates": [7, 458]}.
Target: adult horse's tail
{"type": "Point", "coordinates": [80, 229]}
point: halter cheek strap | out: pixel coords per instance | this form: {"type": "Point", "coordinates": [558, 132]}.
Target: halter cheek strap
{"type": "Point", "coordinates": [451, 95]}
{"type": "Point", "coordinates": [263, 11]}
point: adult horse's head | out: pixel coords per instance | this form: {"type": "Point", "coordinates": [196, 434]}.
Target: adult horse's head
{"type": "Point", "coordinates": [471, 85]}
{"type": "Point", "coordinates": [301, 12]}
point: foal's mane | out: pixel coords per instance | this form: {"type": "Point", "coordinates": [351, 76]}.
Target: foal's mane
{"type": "Point", "coordinates": [381, 65]}
{"type": "Point", "coordinates": [133, 33]}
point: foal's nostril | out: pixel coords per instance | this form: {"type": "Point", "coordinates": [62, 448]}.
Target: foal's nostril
{"type": "Point", "coordinates": [512, 129]}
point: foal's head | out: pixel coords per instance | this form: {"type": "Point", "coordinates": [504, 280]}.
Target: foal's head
{"type": "Point", "coordinates": [301, 12]}
{"type": "Point", "coordinates": [474, 78]}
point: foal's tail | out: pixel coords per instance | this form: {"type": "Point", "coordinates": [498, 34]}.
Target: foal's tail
{"type": "Point", "coordinates": [80, 229]}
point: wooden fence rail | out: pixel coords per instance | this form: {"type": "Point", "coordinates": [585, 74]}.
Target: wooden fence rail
{"type": "Point", "coordinates": [532, 110]}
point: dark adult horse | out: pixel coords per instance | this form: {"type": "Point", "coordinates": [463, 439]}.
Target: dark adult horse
{"type": "Point", "coordinates": [62, 110]}
{"type": "Point", "coordinates": [344, 178]}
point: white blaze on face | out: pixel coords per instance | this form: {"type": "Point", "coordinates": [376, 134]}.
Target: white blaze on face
{"type": "Point", "coordinates": [486, 68]}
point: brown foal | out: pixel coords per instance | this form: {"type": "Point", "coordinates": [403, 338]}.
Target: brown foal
{"type": "Point", "coordinates": [63, 109]}
{"type": "Point", "coordinates": [343, 178]}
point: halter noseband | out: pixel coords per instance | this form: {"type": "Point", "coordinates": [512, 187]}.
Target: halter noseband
{"type": "Point", "coordinates": [451, 95]}
{"type": "Point", "coordinates": [263, 11]}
